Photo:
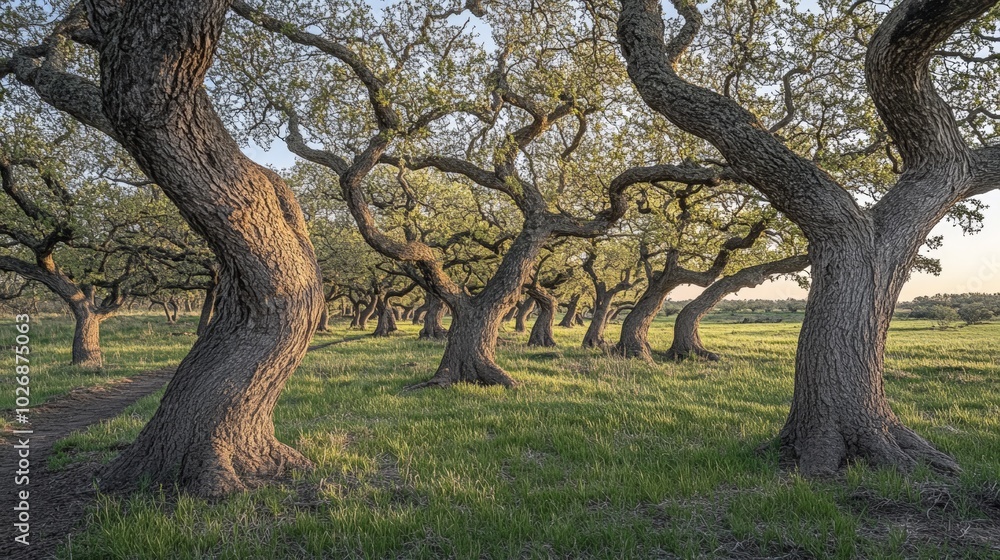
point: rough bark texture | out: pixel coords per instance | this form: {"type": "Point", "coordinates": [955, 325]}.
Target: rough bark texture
{"type": "Point", "coordinates": [433, 320]}
{"type": "Point", "coordinates": [572, 317]}
{"type": "Point", "coordinates": [541, 331]}
{"type": "Point", "coordinates": [87, 338]}
{"type": "Point", "coordinates": [524, 309]}
{"type": "Point", "coordinates": [594, 338]}
{"type": "Point", "coordinates": [840, 412]}
{"type": "Point", "coordinates": [386, 319]}
{"type": "Point", "coordinates": [366, 313]}
{"type": "Point", "coordinates": [687, 342]}
{"type": "Point", "coordinates": [470, 354]}
{"type": "Point", "coordinates": [860, 258]}
{"type": "Point", "coordinates": [603, 297]}
{"type": "Point", "coordinates": [213, 431]}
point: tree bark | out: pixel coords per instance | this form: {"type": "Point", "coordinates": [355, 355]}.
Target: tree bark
{"type": "Point", "coordinates": [367, 312]}
{"type": "Point", "coordinates": [324, 319]}
{"type": "Point", "coordinates": [594, 338]}
{"type": "Point", "coordinates": [356, 310]}
{"type": "Point", "coordinates": [470, 354]}
{"type": "Point", "coordinates": [572, 316]}
{"type": "Point", "coordinates": [840, 412]}
{"type": "Point", "coordinates": [541, 331]}
{"type": "Point", "coordinates": [433, 326]}
{"type": "Point", "coordinates": [213, 432]}
{"type": "Point", "coordinates": [386, 318]}
{"type": "Point", "coordinates": [634, 339]}
{"type": "Point", "coordinates": [687, 341]}
{"type": "Point", "coordinates": [860, 257]}
{"type": "Point", "coordinates": [523, 310]}
{"type": "Point", "coordinates": [87, 337]}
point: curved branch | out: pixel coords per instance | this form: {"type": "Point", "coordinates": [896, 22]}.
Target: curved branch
{"type": "Point", "coordinates": [794, 185]}
{"type": "Point", "coordinates": [897, 68]}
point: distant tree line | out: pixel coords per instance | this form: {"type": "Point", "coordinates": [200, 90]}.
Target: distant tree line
{"type": "Point", "coordinates": [971, 308]}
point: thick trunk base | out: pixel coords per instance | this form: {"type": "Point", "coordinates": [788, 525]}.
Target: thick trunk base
{"type": "Point", "coordinates": [595, 332]}
{"type": "Point", "coordinates": [386, 322]}
{"type": "Point", "coordinates": [210, 470]}
{"type": "Point", "coordinates": [680, 351]}
{"type": "Point", "coordinates": [469, 355]}
{"type": "Point", "coordinates": [87, 342]}
{"type": "Point", "coordinates": [840, 413]}
{"type": "Point", "coordinates": [477, 370]}
{"type": "Point", "coordinates": [541, 337]}
{"type": "Point", "coordinates": [823, 450]}
{"type": "Point", "coordinates": [433, 328]}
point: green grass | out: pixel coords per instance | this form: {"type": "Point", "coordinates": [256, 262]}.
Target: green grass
{"type": "Point", "coordinates": [591, 457]}
{"type": "Point", "coordinates": [131, 344]}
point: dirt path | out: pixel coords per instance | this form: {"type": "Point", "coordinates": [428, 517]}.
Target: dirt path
{"type": "Point", "coordinates": [59, 499]}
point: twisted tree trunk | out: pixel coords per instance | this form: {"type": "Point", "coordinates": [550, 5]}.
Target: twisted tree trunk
{"type": "Point", "coordinates": [541, 331]}
{"type": "Point", "coordinates": [572, 317]}
{"type": "Point", "coordinates": [367, 313]}
{"type": "Point", "coordinates": [839, 409]}
{"type": "Point", "coordinates": [524, 309]}
{"type": "Point", "coordinates": [470, 354]}
{"type": "Point", "coordinates": [386, 318]}
{"type": "Point", "coordinates": [860, 257]}
{"type": "Point", "coordinates": [213, 430]}
{"type": "Point", "coordinates": [88, 315]}
{"type": "Point", "coordinates": [594, 338]}
{"type": "Point", "coordinates": [433, 320]}
{"type": "Point", "coordinates": [634, 339]}
{"type": "Point", "coordinates": [687, 342]}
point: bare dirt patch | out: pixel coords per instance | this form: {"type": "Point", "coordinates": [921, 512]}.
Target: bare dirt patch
{"type": "Point", "coordinates": [58, 499]}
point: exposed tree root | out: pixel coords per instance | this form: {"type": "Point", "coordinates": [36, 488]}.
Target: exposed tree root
{"type": "Point", "coordinates": [823, 452]}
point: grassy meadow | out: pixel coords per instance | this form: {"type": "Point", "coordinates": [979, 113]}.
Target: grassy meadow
{"type": "Point", "coordinates": [592, 457]}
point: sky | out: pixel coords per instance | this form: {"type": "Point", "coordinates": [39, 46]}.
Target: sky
{"type": "Point", "coordinates": [970, 263]}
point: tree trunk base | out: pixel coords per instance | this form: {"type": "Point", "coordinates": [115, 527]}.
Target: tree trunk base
{"type": "Point", "coordinates": [433, 334]}
{"type": "Point", "coordinates": [824, 450]}
{"type": "Point", "coordinates": [88, 362]}
{"type": "Point", "coordinates": [681, 354]}
{"type": "Point", "coordinates": [541, 340]}
{"type": "Point", "coordinates": [210, 469]}
{"type": "Point", "coordinates": [478, 371]}
{"type": "Point", "coordinates": [638, 350]}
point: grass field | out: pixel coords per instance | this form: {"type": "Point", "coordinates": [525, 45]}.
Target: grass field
{"type": "Point", "coordinates": [593, 457]}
